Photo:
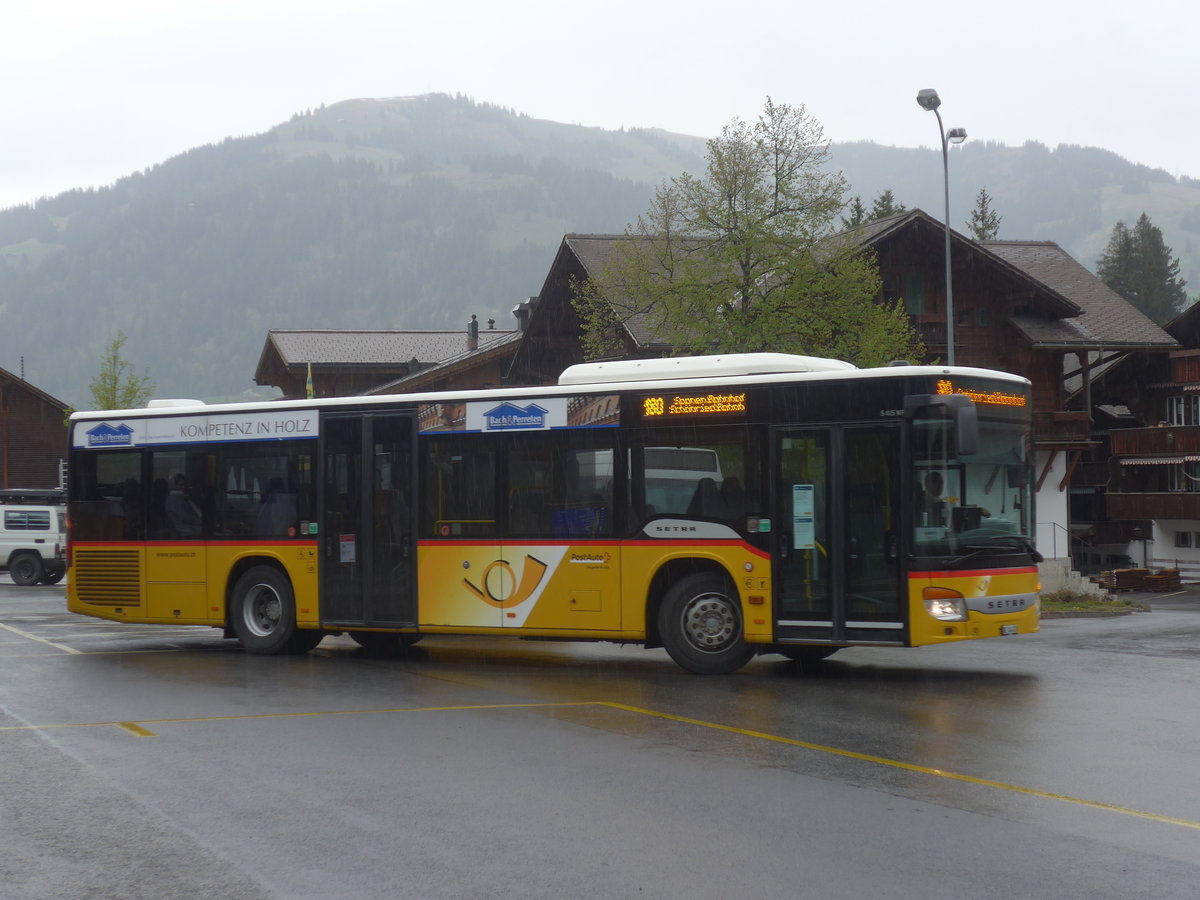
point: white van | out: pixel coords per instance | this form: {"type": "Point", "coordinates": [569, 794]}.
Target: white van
{"type": "Point", "coordinates": [33, 535]}
{"type": "Point", "coordinates": [674, 477]}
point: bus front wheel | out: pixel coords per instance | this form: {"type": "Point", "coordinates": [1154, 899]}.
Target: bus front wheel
{"type": "Point", "coordinates": [700, 623]}
{"type": "Point", "coordinates": [263, 612]}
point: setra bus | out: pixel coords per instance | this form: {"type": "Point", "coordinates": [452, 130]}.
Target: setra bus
{"type": "Point", "coordinates": [719, 507]}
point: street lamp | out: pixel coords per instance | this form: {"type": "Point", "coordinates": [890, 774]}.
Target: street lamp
{"type": "Point", "coordinates": [929, 100]}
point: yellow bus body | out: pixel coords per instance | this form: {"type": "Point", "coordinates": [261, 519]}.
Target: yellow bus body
{"type": "Point", "coordinates": [588, 590]}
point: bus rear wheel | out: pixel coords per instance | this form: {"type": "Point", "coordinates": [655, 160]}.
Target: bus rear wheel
{"type": "Point", "coordinates": [263, 613]}
{"type": "Point", "coordinates": [700, 623]}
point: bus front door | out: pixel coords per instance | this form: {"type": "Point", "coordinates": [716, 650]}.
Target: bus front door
{"type": "Point", "coordinates": [368, 557]}
{"type": "Point", "coordinates": [837, 572]}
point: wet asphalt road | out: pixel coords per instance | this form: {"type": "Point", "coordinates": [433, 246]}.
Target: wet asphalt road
{"type": "Point", "coordinates": [142, 761]}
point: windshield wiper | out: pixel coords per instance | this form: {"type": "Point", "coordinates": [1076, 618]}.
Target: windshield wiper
{"type": "Point", "coordinates": [1006, 542]}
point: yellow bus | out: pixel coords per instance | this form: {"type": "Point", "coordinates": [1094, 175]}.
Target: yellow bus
{"type": "Point", "coordinates": [719, 507]}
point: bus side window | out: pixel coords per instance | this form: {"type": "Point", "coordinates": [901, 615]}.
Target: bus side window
{"type": "Point", "coordinates": [459, 476]}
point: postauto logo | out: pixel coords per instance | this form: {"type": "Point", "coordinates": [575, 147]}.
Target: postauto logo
{"type": "Point", "coordinates": [105, 435]}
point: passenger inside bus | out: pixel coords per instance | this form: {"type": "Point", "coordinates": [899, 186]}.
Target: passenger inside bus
{"type": "Point", "coordinates": [932, 507]}
{"type": "Point", "coordinates": [276, 510]}
{"type": "Point", "coordinates": [183, 516]}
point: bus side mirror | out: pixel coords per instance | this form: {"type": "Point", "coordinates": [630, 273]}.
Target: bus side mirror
{"type": "Point", "coordinates": [962, 411]}
{"type": "Point", "coordinates": [966, 428]}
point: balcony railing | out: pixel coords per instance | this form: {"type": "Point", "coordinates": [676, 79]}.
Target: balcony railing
{"type": "Point", "coordinates": [1061, 427]}
{"type": "Point", "coordinates": [1174, 505]}
{"type": "Point", "coordinates": [1118, 532]}
{"type": "Point", "coordinates": [1091, 474]}
{"type": "Point", "coordinates": [1165, 440]}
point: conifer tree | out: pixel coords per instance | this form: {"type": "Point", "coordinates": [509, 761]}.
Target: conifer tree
{"type": "Point", "coordinates": [885, 205]}
{"type": "Point", "coordinates": [857, 214]}
{"type": "Point", "coordinates": [1139, 266]}
{"type": "Point", "coordinates": [985, 222]}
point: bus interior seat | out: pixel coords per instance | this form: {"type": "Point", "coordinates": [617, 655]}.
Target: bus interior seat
{"type": "Point", "coordinates": [706, 501]}
{"type": "Point", "coordinates": [733, 496]}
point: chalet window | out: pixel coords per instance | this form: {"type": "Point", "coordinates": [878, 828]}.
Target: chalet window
{"type": "Point", "coordinates": [1183, 539]}
{"type": "Point", "coordinates": [1175, 413]}
{"type": "Point", "coordinates": [1183, 410]}
{"type": "Point", "coordinates": [982, 317]}
{"type": "Point", "coordinates": [1183, 477]}
{"type": "Point", "coordinates": [914, 293]}
{"type": "Point", "coordinates": [892, 289]}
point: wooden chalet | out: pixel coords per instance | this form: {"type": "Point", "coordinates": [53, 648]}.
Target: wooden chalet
{"type": "Point", "coordinates": [346, 363]}
{"type": "Point", "coordinates": [1025, 307]}
{"type": "Point", "coordinates": [1143, 491]}
{"type": "Point", "coordinates": [33, 435]}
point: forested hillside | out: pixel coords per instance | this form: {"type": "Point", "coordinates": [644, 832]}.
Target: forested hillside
{"type": "Point", "coordinates": [1071, 195]}
{"type": "Point", "coordinates": [402, 214]}
{"type": "Point", "coordinates": [417, 213]}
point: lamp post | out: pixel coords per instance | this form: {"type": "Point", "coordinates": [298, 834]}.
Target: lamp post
{"type": "Point", "coordinates": [929, 100]}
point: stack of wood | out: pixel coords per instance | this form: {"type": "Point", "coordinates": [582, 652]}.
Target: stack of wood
{"type": "Point", "coordinates": [1138, 580]}
{"type": "Point", "coordinates": [1125, 579]}
{"type": "Point", "coordinates": [1163, 580]}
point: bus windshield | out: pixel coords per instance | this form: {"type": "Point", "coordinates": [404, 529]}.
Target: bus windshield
{"type": "Point", "coordinates": [968, 505]}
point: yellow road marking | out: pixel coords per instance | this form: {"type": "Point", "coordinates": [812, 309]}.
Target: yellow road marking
{"type": "Point", "coordinates": [910, 767]}
{"type": "Point", "coordinates": [34, 637]}
{"type": "Point", "coordinates": [136, 729]}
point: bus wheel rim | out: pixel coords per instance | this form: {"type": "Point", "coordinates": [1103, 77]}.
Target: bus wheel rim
{"type": "Point", "coordinates": [263, 611]}
{"type": "Point", "coordinates": [710, 623]}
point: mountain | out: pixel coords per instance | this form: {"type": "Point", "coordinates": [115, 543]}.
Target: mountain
{"type": "Point", "coordinates": [419, 212]}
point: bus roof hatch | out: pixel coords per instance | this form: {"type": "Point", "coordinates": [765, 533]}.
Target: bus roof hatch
{"type": "Point", "coordinates": [723, 366]}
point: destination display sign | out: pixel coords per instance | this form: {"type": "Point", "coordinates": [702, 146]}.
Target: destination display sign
{"type": "Point", "coordinates": [994, 398]}
{"type": "Point", "coordinates": [683, 405]}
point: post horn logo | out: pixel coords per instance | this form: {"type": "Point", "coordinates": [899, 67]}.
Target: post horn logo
{"type": "Point", "coordinates": [496, 587]}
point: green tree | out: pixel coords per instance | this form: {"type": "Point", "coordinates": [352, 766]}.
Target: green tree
{"type": "Point", "coordinates": [885, 205]}
{"type": "Point", "coordinates": [1139, 266]}
{"type": "Point", "coordinates": [116, 386]}
{"type": "Point", "coordinates": [746, 258]}
{"type": "Point", "coordinates": [857, 214]}
{"type": "Point", "coordinates": [985, 222]}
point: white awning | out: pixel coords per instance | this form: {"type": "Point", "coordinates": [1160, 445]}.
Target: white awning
{"type": "Point", "coordinates": [1158, 460]}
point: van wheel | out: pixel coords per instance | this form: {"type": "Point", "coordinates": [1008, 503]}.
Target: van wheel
{"type": "Point", "coordinates": [53, 576]}
{"type": "Point", "coordinates": [263, 612]}
{"type": "Point", "coordinates": [25, 569]}
{"type": "Point", "coordinates": [700, 622]}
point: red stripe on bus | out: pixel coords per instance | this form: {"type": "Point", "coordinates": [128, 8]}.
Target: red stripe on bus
{"type": "Point", "coordinates": [593, 542]}
{"type": "Point", "coordinates": [972, 573]}
{"type": "Point", "coordinates": [282, 542]}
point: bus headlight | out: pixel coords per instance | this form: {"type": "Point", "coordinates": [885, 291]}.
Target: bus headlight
{"type": "Point", "coordinates": [945, 604]}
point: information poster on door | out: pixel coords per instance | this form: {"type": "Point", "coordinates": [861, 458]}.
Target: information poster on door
{"type": "Point", "coordinates": [803, 526]}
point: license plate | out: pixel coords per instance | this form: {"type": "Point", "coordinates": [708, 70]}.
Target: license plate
{"type": "Point", "coordinates": [1008, 629]}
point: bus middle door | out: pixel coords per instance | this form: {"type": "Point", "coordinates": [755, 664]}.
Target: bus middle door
{"type": "Point", "coordinates": [837, 569]}
{"type": "Point", "coordinates": [368, 553]}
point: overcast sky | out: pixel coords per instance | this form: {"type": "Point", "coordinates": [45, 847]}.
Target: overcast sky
{"type": "Point", "coordinates": [91, 91]}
